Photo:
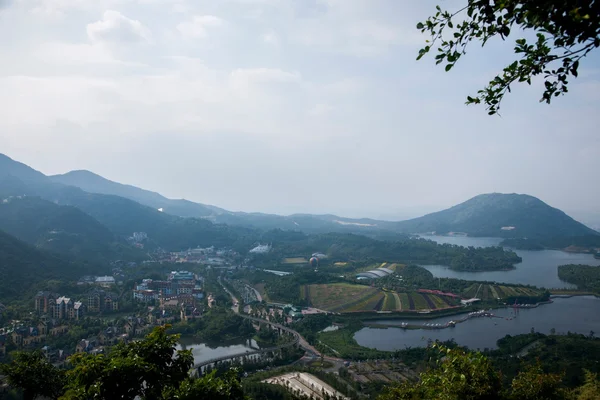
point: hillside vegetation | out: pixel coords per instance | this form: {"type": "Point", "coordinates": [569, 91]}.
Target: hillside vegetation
{"type": "Point", "coordinates": [500, 215]}
{"type": "Point", "coordinates": [23, 268]}
{"type": "Point", "coordinates": [586, 277]}
{"type": "Point", "coordinates": [62, 229]}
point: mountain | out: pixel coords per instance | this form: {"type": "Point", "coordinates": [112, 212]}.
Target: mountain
{"type": "Point", "coordinates": [499, 215]}
{"type": "Point", "coordinates": [120, 215]}
{"type": "Point", "coordinates": [61, 229]}
{"type": "Point", "coordinates": [12, 168]}
{"type": "Point", "coordinates": [92, 183]}
{"type": "Point", "coordinates": [125, 209]}
{"type": "Point", "coordinates": [23, 268]}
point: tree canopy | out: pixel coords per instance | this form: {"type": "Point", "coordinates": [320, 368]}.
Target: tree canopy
{"type": "Point", "coordinates": [150, 368]}
{"type": "Point", "coordinates": [565, 32]}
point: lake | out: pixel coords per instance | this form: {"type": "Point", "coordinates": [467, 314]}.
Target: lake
{"type": "Point", "coordinates": [539, 268]}
{"type": "Point", "coordinates": [204, 352]}
{"type": "Point", "coordinates": [576, 314]}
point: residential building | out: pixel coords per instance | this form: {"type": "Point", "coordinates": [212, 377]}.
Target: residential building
{"type": "Point", "coordinates": [44, 302]}
{"type": "Point", "coordinates": [100, 300]}
{"type": "Point", "coordinates": [78, 310]}
{"type": "Point", "coordinates": [63, 307]}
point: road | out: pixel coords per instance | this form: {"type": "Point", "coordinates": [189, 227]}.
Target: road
{"type": "Point", "coordinates": [301, 341]}
{"type": "Point", "coordinates": [311, 352]}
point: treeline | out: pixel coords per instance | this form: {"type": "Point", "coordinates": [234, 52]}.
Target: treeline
{"type": "Point", "coordinates": [345, 247]}
{"type": "Point", "coordinates": [151, 368]}
{"type": "Point", "coordinates": [24, 269]}
{"type": "Point", "coordinates": [216, 325]}
{"type": "Point", "coordinates": [569, 355]}
{"type": "Point", "coordinates": [559, 242]}
{"type": "Point", "coordinates": [586, 277]}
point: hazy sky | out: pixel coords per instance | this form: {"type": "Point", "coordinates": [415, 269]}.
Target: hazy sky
{"type": "Point", "coordinates": [283, 106]}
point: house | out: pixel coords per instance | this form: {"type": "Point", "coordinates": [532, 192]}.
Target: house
{"type": "Point", "coordinates": [42, 328]}
{"type": "Point", "coordinates": [58, 330]}
{"type": "Point", "coordinates": [85, 345]}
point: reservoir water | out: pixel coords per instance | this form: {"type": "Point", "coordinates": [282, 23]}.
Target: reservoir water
{"type": "Point", "coordinates": [538, 268]}
{"type": "Point", "coordinates": [204, 352]}
{"type": "Point", "coordinates": [576, 314]}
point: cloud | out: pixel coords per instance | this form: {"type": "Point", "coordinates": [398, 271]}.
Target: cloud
{"type": "Point", "coordinates": [264, 75]}
{"type": "Point", "coordinates": [199, 25]}
{"type": "Point", "coordinates": [115, 27]}
{"type": "Point", "coordinates": [292, 88]}
{"type": "Point", "coordinates": [271, 38]}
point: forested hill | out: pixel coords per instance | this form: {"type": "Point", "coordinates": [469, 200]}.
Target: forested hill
{"type": "Point", "coordinates": [93, 183]}
{"type": "Point", "coordinates": [500, 215]}
{"type": "Point", "coordinates": [23, 268]}
{"type": "Point", "coordinates": [62, 229]}
{"type": "Point", "coordinates": [125, 209]}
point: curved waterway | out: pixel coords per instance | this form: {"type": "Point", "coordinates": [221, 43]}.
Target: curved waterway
{"type": "Point", "coordinates": [207, 351]}
{"type": "Point", "coordinates": [575, 314]}
{"type": "Point", "coordinates": [538, 268]}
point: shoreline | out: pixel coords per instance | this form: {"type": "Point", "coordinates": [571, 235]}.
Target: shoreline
{"type": "Point", "coordinates": [452, 324]}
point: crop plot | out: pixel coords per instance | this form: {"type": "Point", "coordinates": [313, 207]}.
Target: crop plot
{"type": "Point", "coordinates": [351, 298]}
{"type": "Point", "coordinates": [294, 260]}
{"type": "Point", "coordinates": [498, 292]}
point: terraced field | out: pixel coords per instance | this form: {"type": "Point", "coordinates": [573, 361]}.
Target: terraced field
{"type": "Point", "coordinates": [336, 296]}
{"type": "Point", "coordinates": [494, 292]}
{"type": "Point", "coordinates": [389, 303]}
{"type": "Point", "coordinates": [404, 301]}
{"type": "Point", "coordinates": [348, 298]}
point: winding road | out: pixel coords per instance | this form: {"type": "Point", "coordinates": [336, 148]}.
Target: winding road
{"type": "Point", "coordinates": [298, 339]}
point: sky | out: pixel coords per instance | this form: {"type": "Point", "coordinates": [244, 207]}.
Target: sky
{"type": "Point", "coordinates": [284, 106]}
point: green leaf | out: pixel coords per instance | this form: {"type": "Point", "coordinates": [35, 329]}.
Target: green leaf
{"type": "Point", "coordinates": [449, 67]}
{"type": "Point", "coordinates": [420, 25]}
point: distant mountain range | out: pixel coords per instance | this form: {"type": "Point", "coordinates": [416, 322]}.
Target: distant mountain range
{"type": "Point", "coordinates": [63, 226]}
{"type": "Point", "coordinates": [124, 209]}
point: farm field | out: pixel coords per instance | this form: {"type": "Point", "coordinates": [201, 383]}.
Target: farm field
{"type": "Point", "coordinates": [349, 298]}
{"type": "Point", "coordinates": [390, 266]}
{"type": "Point", "coordinates": [494, 292]}
{"type": "Point", "coordinates": [295, 260]}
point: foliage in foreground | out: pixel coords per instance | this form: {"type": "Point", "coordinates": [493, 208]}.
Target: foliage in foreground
{"type": "Point", "coordinates": [149, 369]}
{"type": "Point", "coordinates": [462, 375]}
{"type": "Point", "coordinates": [566, 31]}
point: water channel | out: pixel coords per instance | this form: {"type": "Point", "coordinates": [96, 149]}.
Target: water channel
{"type": "Point", "coordinates": [575, 314]}
{"type": "Point", "coordinates": [538, 268]}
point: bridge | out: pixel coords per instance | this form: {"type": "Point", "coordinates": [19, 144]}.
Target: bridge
{"type": "Point", "coordinates": [297, 341]}
{"type": "Point", "coordinates": [280, 327]}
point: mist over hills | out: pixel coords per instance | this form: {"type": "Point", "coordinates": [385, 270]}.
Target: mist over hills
{"type": "Point", "coordinates": [124, 209]}
{"type": "Point", "coordinates": [500, 215]}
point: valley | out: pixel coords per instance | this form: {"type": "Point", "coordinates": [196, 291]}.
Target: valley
{"type": "Point", "coordinates": [92, 263]}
